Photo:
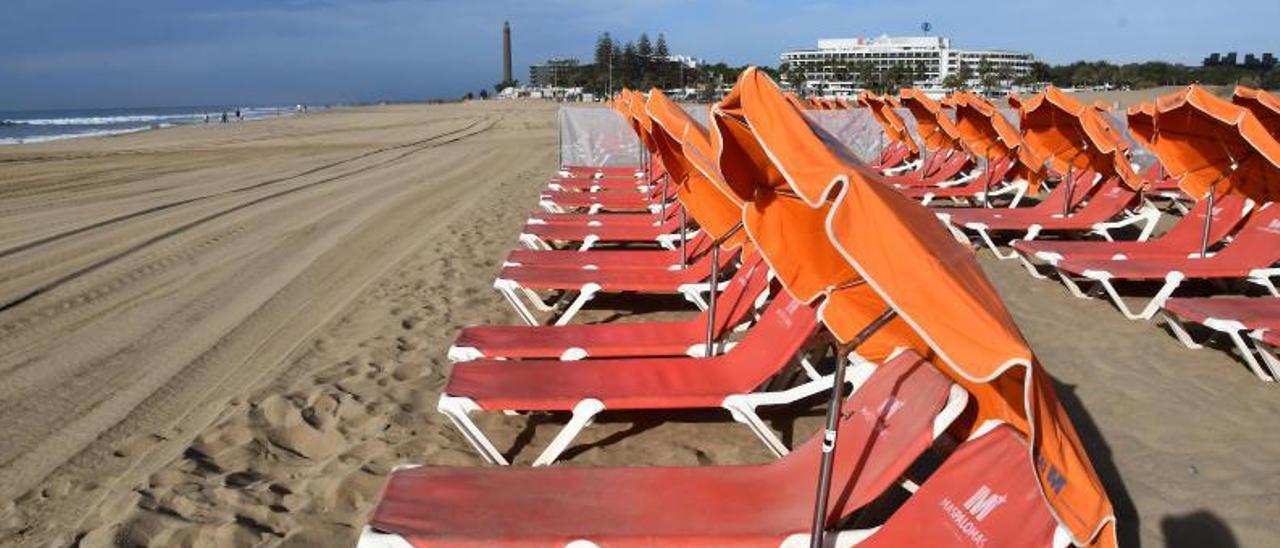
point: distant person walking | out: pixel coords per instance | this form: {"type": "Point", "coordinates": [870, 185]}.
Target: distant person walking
{"type": "Point", "coordinates": [224, 117]}
{"type": "Point", "coordinates": [238, 116]}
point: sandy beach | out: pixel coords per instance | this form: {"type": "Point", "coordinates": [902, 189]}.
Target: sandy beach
{"type": "Point", "coordinates": [229, 334]}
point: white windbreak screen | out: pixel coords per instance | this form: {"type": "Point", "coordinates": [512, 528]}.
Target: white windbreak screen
{"type": "Point", "coordinates": [1141, 158]}
{"type": "Point", "coordinates": [855, 129]}
{"type": "Point", "coordinates": [596, 137]}
{"type": "Point", "coordinates": [699, 112]}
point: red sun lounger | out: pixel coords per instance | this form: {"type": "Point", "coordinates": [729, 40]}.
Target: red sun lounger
{"type": "Point", "coordinates": [572, 184]}
{"type": "Point", "coordinates": [975, 188]}
{"type": "Point", "coordinates": [1251, 255]}
{"type": "Point", "coordinates": [576, 287]}
{"type": "Point", "coordinates": [541, 236]}
{"type": "Point", "coordinates": [586, 388]}
{"type": "Point", "coordinates": [605, 218]}
{"type": "Point", "coordinates": [893, 159]}
{"type": "Point", "coordinates": [890, 421]}
{"type": "Point", "coordinates": [1108, 201]}
{"type": "Point", "coordinates": [619, 340]}
{"type": "Point", "coordinates": [939, 170]}
{"type": "Point", "coordinates": [610, 258]}
{"type": "Point", "coordinates": [1181, 240]}
{"type": "Point", "coordinates": [558, 202]}
{"type": "Point", "coordinates": [984, 494]}
{"type": "Point", "coordinates": [580, 172]}
{"type": "Point", "coordinates": [1234, 316]}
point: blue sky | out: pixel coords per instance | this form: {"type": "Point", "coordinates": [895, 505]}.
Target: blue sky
{"type": "Point", "coordinates": [93, 53]}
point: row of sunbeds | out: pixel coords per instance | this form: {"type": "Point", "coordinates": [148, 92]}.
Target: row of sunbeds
{"type": "Point", "coordinates": [1096, 230]}
{"type": "Point", "coordinates": [758, 333]}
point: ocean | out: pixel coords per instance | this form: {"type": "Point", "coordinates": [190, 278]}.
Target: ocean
{"type": "Point", "coordinates": [34, 126]}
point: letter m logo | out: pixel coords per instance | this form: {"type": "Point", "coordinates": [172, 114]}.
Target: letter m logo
{"type": "Point", "coordinates": [983, 502]}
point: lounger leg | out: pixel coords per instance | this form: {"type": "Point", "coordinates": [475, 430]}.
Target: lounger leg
{"type": "Point", "coordinates": [583, 413]}
{"type": "Point", "coordinates": [507, 289]}
{"type": "Point", "coordinates": [458, 409]}
{"type": "Point", "coordinates": [1072, 285]}
{"type": "Point", "coordinates": [1171, 283]}
{"type": "Point", "coordinates": [743, 411]}
{"type": "Point", "coordinates": [1246, 353]}
{"type": "Point", "coordinates": [1269, 357]}
{"type": "Point", "coordinates": [1031, 267]}
{"type": "Point", "coordinates": [1263, 277]}
{"type": "Point", "coordinates": [587, 293]}
{"type": "Point", "coordinates": [991, 244]}
{"type": "Point", "coordinates": [956, 232]}
{"type": "Point", "coordinates": [533, 242]}
{"type": "Point", "coordinates": [1179, 331]}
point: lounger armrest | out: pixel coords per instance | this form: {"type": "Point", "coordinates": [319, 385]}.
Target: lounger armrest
{"type": "Point", "coordinates": [1147, 215]}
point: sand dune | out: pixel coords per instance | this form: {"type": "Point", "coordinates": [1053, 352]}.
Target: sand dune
{"type": "Point", "coordinates": [230, 334]}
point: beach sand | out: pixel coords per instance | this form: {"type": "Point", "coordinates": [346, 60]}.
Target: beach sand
{"type": "Point", "coordinates": [230, 334]}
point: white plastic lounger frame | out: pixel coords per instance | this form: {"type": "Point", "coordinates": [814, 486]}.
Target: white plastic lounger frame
{"type": "Point", "coordinates": [900, 169]}
{"type": "Point", "coordinates": [1236, 331]}
{"type": "Point", "coordinates": [741, 406]}
{"type": "Point", "coordinates": [1148, 215]}
{"type": "Point", "coordinates": [1102, 280]}
{"type": "Point", "coordinates": [569, 303]}
{"type": "Point", "coordinates": [1268, 354]}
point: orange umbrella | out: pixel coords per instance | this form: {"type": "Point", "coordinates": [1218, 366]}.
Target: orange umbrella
{"type": "Point", "coordinates": [685, 148]}
{"type": "Point", "coordinates": [935, 129]}
{"type": "Point", "coordinates": [1263, 104]}
{"type": "Point", "coordinates": [989, 135]}
{"type": "Point", "coordinates": [894, 126]}
{"type": "Point", "coordinates": [1074, 136]}
{"type": "Point", "coordinates": [796, 101]}
{"type": "Point", "coordinates": [891, 245]}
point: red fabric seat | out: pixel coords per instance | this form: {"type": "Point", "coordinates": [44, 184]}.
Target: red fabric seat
{"type": "Point", "coordinates": [1110, 199]}
{"type": "Point", "coordinates": [1051, 205]}
{"type": "Point", "coordinates": [1181, 240]}
{"type": "Point", "coordinates": [888, 424]}
{"type": "Point", "coordinates": [1256, 245]}
{"type": "Point", "coordinates": [656, 383]}
{"type": "Point", "coordinates": [939, 169]}
{"type": "Point", "coordinates": [623, 258]}
{"type": "Point", "coordinates": [984, 494]}
{"type": "Point", "coordinates": [615, 280]}
{"type": "Point", "coordinates": [622, 339]}
{"type": "Point", "coordinates": [1252, 312]}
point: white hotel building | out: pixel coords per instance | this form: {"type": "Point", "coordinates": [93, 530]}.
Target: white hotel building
{"type": "Point", "coordinates": [934, 54]}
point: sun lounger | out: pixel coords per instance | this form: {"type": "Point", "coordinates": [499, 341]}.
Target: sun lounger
{"type": "Point", "coordinates": [577, 287]}
{"type": "Point", "coordinates": [892, 419]}
{"type": "Point", "coordinates": [1105, 202]}
{"type": "Point", "coordinates": [618, 340]}
{"type": "Point", "coordinates": [942, 169]}
{"type": "Point", "coordinates": [580, 172]}
{"type": "Point", "coordinates": [623, 258]}
{"type": "Point", "coordinates": [1234, 316]}
{"type": "Point", "coordinates": [586, 388]}
{"type": "Point", "coordinates": [1250, 256]}
{"type": "Point", "coordinates": [1181, 240]}
{"type": "Point", "coordinates": [975, 188]}
{"type": "Point", "coordinates": [594, 184]}
{"type": "Point", "coordinates": [982, 495]}
{"type": "Point", "coordinates": [542, 236]}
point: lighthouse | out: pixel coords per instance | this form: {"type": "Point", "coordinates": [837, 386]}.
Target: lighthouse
{"type": "Point", "coordinates": [506, 53]}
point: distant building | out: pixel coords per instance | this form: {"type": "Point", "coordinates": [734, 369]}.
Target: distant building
{"type": "Point", "coordinates": [1230, 59]}
{"type": "Point", "coordinates": [552, 72]}
{"type": "Point", "coordinates": [829, 68]}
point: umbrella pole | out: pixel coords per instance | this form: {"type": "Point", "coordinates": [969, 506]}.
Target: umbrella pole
{"type": "Point", "coordinates": [1208, 222]}
{"type": "Point", "coordinates": [829, 435]}
{"type": "Point", "coordinates": [711, 299]}
{"type": "Point", "coordinates": [684, 249]}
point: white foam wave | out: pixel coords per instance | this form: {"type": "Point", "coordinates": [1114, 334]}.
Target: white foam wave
{"type": "Point", "coordinates": [61, 136]}
{"type": "Point", "coordinates": [102, 120]}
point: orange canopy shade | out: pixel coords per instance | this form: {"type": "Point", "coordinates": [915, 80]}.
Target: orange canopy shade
{"type": "Point", "coordinates": [1073, 135]}
{"type": "Point", "coordinates": [987, 134]}
{"type": "Point", "coordinates": [796, 101]}
{"type": "Point", "coordinates": [895, 247]}
{"type": "Point", "coordinates": [685, 148]}
{"type": "Point", "coordinates": [1263, 105]}
{"type": "Point", "coordinates": [1199, 137]}
{"type": "Point", "coordinates": [934, 128]}
{"type": "Point", "coordinates": [895, 128]}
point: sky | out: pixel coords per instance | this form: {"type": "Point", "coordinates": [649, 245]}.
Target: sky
{"type": "Point", "coordinates": [131, 53]}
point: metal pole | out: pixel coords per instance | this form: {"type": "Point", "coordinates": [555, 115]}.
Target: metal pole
{"type": "Point", "coordinates": [711, 299]}
{"type": "Point", "coordinates": [829, 435]}
{"type": "Point", "coordinates": [684, 249]}
{"type": "Point", "coordinates": [1208, 221]}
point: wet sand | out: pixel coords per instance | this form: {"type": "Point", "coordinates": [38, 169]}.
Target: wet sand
{"type": "Point", "coordinates": [230, 334]}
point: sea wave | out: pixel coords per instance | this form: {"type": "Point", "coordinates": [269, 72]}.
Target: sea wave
{"type": "Point", "coordinates": [61, 136]}
{"type": "Point", "coordinates": [100, 120]}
